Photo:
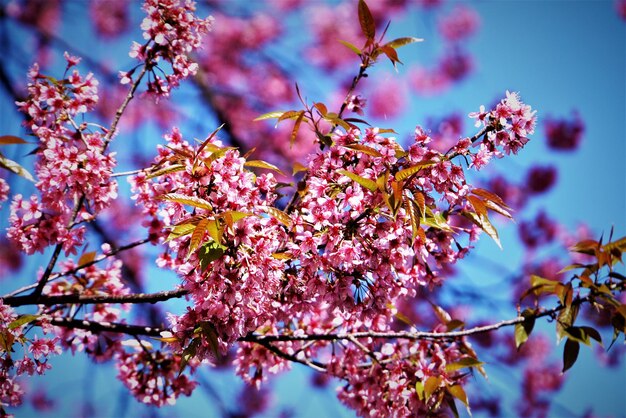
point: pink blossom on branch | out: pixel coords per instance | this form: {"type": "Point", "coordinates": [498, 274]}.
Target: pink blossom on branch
{"type": "Point", "coordinates": [4, 191]}
{"type": "Point", "coordinates": [172, 32]}
{"type": "Point", "coordinates": [71, 162]}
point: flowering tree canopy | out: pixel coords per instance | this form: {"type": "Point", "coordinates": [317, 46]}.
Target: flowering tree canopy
{"type": "Point", "coordinates": [315, 235]}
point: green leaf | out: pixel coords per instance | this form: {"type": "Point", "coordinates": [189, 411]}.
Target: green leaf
{"type": "Point", "coordinates": [619, 244]}
{"type": "Point", "coordinates": [187, 200]}
{"type": "Point", "coordinates": [397, 43]}
{"type": "Point", "coordinates": [351, 47]}
{"type": "Point", "coordinates": [463, 363]}
{"type": "Point", "coordinates": [181, 230]}
{"type": "Point", "coordinates": [15, 168]}
{"type": "Point", "coordinates": [11, 139]}
{"type": "Point", "coordinates": [210, 334]}
{"type": "Point", "coordinates": [368, 26]}
{"type": "Point", "coordinates": [263, 164]}
{"type": "Point", "coordinates": [210, 252]}
{"type": "Point", "coordinates": [166, 170]}
{"type": "Point", "coordinates": [367, 183]}
{"type": "Point", "coordinates": [215, 230]}
{"type": "Point", "coordinates": [458, 392]}
{"type": "Point", "coordinates": [430, 386]}
{"type": "Point", "coordinates": [280, 216]}
{"type": "Point", "coordinates": [565, 320]}
{"type": "Point", "coordinates": [454, 324]}
{"type": "Point", "coordinates": [593, 333]}
{"type": "Point", "coordinates": [408, 172]}
{"type": "Point", "coordinates": [577, 334]}
{"type": "Point", "coordinates": [232, 216]}
{"type": "Point", "coordinates": [270, 115]}
{"type": "Point", "coordinates": [296, 128]}
{"type": "Point", "coordinates": [364, 149]}
{"type": "Point", "coordinates": [419, 389]}
{"type": "Point", "coordinates": [523, 330]}
{"type": "Point", "coordinates": [570, 354]}
{"type": "Point", "coordinates": [23, 320]}
{"type": "Point", "coordinates": [188, 353]}
{"type": "Point", "coordinates": [336, 120]}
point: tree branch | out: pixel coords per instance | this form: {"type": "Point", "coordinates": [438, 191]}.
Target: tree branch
{"type": "Point", "coordinates": [264, 340]}
{"type": "Point", "coordinates": [117, 327]}
{"type": "Point", "coordinates": [95, 299]}
{"type": "Point", "coordinates": [82, 266]}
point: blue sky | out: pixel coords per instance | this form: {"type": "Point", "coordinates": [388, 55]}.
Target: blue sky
{"type": "Point", "coordinates": [561, 56]}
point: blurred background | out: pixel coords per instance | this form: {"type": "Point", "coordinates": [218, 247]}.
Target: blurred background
{"type": "Point", "coordinates": [567, 60]}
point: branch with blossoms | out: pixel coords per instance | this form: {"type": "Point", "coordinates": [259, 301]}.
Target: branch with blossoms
{"type": "Point", "coordinates": [312, 276]}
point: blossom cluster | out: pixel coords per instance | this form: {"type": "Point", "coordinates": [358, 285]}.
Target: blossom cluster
{"type": "Point", "coordinates": [367, 230]}
{"type": "Point", "coordinates": [20, 355]}
{"type": "Point", "coordinates": [4, 190]}
{"type": "Point", "coordinates": [153, 377]}
{"type": "Point", "coordinates": [172, 31]}
{"type": "Point", "coordinates": [386, 387]}
{"type": "Point", "coordinates": [227, 263]}
{"type": "Point", "coordinates": [72, 165]}
{"type": "Point", "coordinates": [90, 281]}
{"type": "Point", "coordinates": [509, 123]}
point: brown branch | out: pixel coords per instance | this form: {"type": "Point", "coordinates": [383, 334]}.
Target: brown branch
{"type": "Point", "coordinates": [122, 108]}
{"type": "Point", "coordinates": [485, 130]}
{"type": "Point", "coordinates": [315, 365]}
{"type": "Point", "coordinates": [266, 339]}
{"type": "Point", "coordinates": [55, 254]}
{"type": "Point", "coordinates": [107, 327]}
{"type": "Point", "coordinates": [95, 299]}
{"type": "Point", "coordinates": [82, 266]}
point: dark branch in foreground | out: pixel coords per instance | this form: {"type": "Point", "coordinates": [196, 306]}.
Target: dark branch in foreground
{"type": "Point", "coordinates": [97, 327]}
{"type": "Point", "coordinates": [82, 299]}
{"type": "Point", "coordinates": [265, 340]}
{"type": "Point", "coordinates": [82, 266]}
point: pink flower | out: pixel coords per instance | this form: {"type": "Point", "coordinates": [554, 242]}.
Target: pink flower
{"type": "Point", "coordinates": [4, 190]}
{"type": "Point", "coordinates": [172, 31]}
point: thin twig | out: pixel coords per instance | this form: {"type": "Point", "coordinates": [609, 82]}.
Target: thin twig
{"type": "Point", "coordinates": [82, 266]}
{"type": "Point", "coordinates": [123, 106]}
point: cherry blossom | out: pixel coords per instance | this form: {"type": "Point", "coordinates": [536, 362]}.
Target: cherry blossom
{"type": "Point", "coordinates": [172, 31]}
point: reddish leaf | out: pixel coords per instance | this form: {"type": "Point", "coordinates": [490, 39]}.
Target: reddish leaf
{"type": "Point", "coordinates": [368, 26]}
{"type": "Point", "coordinates": [296, 128]}
{"type": "Point", "coordinates": [478, 204]}
{"type": "Point", "coordinates": [11, 139]}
